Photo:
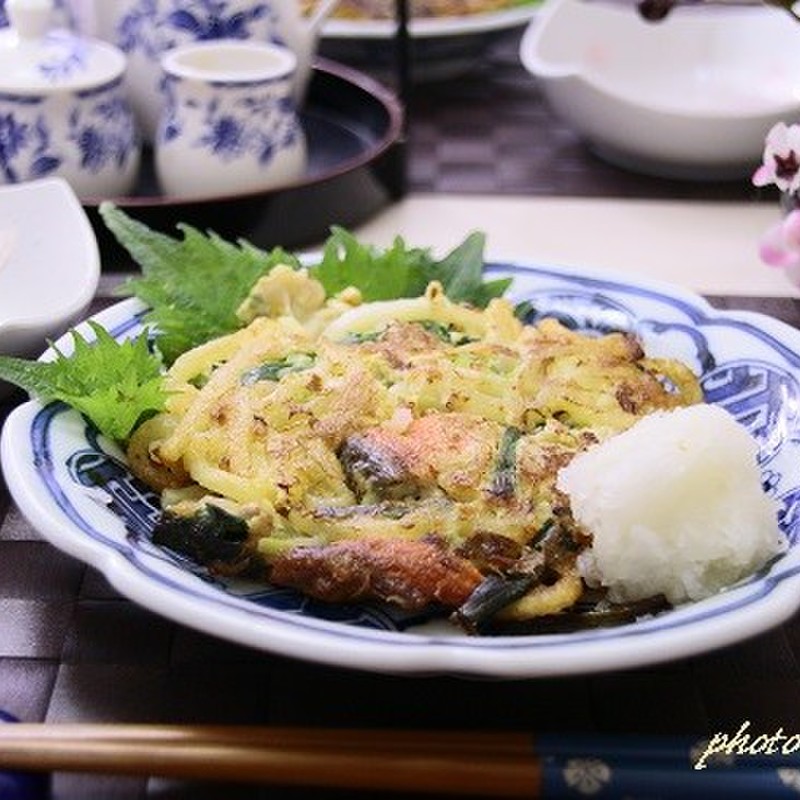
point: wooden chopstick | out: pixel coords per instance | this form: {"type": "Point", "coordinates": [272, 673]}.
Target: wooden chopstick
{"type": "Point", "coordinates": [462, 762]}
{"type": "Point", "coordinates": [497, 742]}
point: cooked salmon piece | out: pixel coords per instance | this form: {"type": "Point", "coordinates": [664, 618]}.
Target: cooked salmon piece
{"type": "Point", "coordinates": [453, 453]}
{"type": "Point", "coordinates": [412, 574]}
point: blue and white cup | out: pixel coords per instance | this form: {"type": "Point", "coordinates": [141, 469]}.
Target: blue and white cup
{"type": "Point", "coordinates": [63, 108]}
{"type": "Point", "coordinates": [230, 123]}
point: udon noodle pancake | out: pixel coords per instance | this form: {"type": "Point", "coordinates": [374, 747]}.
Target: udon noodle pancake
{"type": "Point", "coordinates": [402, 451]}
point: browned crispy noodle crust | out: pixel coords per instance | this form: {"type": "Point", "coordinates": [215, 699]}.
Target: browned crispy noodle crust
{"type": "Point", "coordinates": [405, 452]}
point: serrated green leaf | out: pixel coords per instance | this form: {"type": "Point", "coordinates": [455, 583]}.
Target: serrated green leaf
{"type": "Point", "coordinates": [115, 384]}
{"type": "Point", "coordinates": [402, 271]}
{"type": "Point", "coordinates": [193, 285]}
{"type": "Point", "coordinates": [377, 274]}
{"type": "Point", "coordinates": [461, 274]}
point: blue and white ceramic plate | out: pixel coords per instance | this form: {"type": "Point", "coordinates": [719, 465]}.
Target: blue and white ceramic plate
{"type": "Point", "coordinates": [75, 488]}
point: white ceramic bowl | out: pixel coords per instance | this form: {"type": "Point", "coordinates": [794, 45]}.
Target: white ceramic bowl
{"type": "Point", "coordinates": [49, 264]}
{"type": "Point", "coordinates": [691, 96]}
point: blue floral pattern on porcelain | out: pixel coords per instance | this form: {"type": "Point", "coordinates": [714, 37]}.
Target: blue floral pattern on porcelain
{"type": "Point", "coordinates": [94, 134]}
{"type": "Point", "coordinates": [67, 56]}
{"type": "Point", "coordinates": [145, 30]}
{"type": "Point", "coordinates": [151, 30]}
{"type": "Point", "coordinates": [256, 122]}
{"type": "Point", "coordinates": [223, 132]}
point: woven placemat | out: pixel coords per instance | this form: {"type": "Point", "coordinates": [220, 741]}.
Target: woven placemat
{"type": "Point", "coordinates": [492, 131]}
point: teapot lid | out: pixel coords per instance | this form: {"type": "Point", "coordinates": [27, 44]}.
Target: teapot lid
{"type": "Point", "coordinates": [36, 59]}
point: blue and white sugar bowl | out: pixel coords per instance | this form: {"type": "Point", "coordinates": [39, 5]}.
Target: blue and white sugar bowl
{"type": "Point", "coordinates": [63, 107]}
{"type": "Point", "coordinates": [229, 123]}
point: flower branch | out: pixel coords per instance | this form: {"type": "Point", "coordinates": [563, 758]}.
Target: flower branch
{"type": "Point", "coordinates": [780, 245]}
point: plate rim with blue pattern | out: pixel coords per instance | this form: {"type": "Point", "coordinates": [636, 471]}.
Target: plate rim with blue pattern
{"type": "Point", "coordinates": [74, 488]}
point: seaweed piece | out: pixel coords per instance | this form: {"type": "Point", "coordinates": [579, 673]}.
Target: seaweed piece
{"type": "Point", "coordinates": [210, 535]}
{"type": "Point", "coordinates": [275, 370]}
{"type": "Point", "coordinates": [388, 510]}
{"type": "Point", "coordinates": [582, 616]}
{"type": "Point", "coordinates": [359, 337]}
{"type": "Point", "coordinates": [492, 552]}
{"type": "Point", "coordinates": [446, 333]}
{"type": "Point", "coordinates": [504, 480]}
{"type": "Point", "coordinates": [492, 594]}
{"type": "Point", "coordinates": [374, 470]}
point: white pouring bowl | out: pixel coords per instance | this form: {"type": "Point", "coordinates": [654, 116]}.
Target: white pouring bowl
{"type": "Point", "coordinates": [692, 96]}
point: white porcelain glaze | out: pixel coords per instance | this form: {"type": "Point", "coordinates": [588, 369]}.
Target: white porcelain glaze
{"type": "Point", "coordinates": [63, 106]}
{"type": "Point", "coordinates": [691, 97]}
{"type": "Point", "coordinates": [229, 123]}
{"type": "Point", "coordinates": [62, 16]}
{"type": "Point", "coordinates": [146, 29]}
{"type": "Point", "coordinates": [49, 264]}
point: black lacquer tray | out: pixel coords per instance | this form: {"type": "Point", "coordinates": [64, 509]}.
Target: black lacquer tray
{"type": "Point", "coordinates": [354, 130]}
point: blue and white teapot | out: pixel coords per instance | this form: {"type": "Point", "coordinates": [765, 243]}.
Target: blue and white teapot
{"type": "Point", "coordinates": [146, 29]}
{"type": "Point", "coordinates": [60, 15]}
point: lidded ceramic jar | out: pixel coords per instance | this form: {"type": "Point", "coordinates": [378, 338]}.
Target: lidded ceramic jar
{"type": "Point", "coordinates": [63, 107]}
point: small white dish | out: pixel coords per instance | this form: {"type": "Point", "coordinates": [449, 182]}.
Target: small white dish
{"type": "Point", "coordinates": [76, 489]}
{"type": "Point", "coordinates": [691, 96]}
{"type": "Point", "coordinates": [442, 47]}
{"type": "Point", "coordinates": [49, 264]}
{"type": "Point", "coordinates": [433, 27]}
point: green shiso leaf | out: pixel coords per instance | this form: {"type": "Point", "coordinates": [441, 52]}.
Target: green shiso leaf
{"type": "Point", "coordinates": [397, 271]}
{"type": "Point", "coordinates": [192, 285]}
{"type": "Point", "coordinates": [115, 384]}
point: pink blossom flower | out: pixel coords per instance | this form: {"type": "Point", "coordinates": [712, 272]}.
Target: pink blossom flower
{"type": "Point", "coordinates": [780, 245]}
{"type": "Point", "coordinates": [781, 162]}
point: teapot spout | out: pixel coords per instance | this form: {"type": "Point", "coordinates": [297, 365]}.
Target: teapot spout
{"type": "Point", "coordinates": [321, 11]}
